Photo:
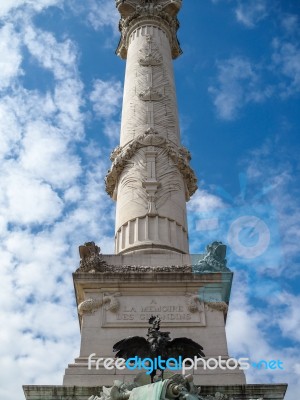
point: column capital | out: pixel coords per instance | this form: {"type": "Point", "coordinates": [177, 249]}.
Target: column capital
{"type": "Point", "coordinates": [136, 13]}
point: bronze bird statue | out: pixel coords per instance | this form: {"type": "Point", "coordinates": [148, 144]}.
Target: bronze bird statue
{"type": "Point", "coordinates": [157, 344]}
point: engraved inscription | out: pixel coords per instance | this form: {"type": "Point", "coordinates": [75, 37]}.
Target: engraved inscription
{"type": "Point", "coordinates": [136, 310]}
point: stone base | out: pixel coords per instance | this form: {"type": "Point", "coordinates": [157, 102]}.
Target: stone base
{"type": "Point", "coordinates": [118, 302]}
{"type": "Point", "coordinates": [237, 392]}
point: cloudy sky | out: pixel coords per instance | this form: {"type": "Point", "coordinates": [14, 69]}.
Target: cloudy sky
{"type": "Point", "coordinates": [238, 85]}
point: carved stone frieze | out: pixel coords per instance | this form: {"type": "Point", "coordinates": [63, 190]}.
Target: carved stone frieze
{"type": "Point", "coordinates": [150, 55]}
{"type": "Point", "coordinates": [162, 13]}
{"type": "Point", "coordinates": [150, 138]}
{"type": "Point", "coordinates": [91, 305]}
{"type": "Point", "coordinates": [150, 94]}
{"type": "Point", "coordinates": [141, 269]}
{"type": "Point", "coordinates": [217, 306]}
{"type": "Point", "coordinates": [149, 60]}
{"type": "Point", "coordinates": [151, 131]}
{"type": "Point", "coordinates": [179, 155]}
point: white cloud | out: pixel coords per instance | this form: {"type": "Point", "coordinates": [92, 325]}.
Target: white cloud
{"type": "Point", "coordinates": [106, 98]}
{"type": "Point", "coordinates": [59, 58]}
{"type": "Point", "coordinates": [289, 318]}
{"type": "Point", "coordinates": [28, 200]}
{"type": "Point", "coordinates": [41, 147]}
{"type": "Point", "coordinates": [241, 81]}
{"type": "Point", "coordinates": [9, 130]}
{"type": "Point", "coordinates": [10, 57]}
{"type": "Point", "coordinates": [250, 12]}
{"type": "Point", "coordinates": [68, 98]}
{"type": "Point", "coordinates": [271, 166]}
{"type": "Point", "coordinates": [286, 59]}
{"type": "Point", "coordinates": [8, 6]}
{"type": "Point", "coordinates": [238, 83]}
{"type": "Point", "coordinates": [290, 23]}
{"type": "Point", "coordinates": [103, 13]}
{"type": "Point", "coordinates": [249, 334]}
{"type": "Point", "coordinates": [203, 201]}
{"type": "Point", "coordinates": [112, 130]}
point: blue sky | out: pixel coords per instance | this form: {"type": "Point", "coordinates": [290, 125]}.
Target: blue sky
{"type": "Point", "coordinates": [238, 87]}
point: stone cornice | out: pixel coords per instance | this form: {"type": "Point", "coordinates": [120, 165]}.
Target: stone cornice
{"type": "Point", "coordinates": [136, 13]}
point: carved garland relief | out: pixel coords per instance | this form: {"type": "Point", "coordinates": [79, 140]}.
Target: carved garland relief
{"type": "Point", "coordinates": [121, 157]}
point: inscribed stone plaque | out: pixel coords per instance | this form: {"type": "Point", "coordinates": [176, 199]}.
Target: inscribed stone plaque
{"type": "Point", "coordinates": [135, 310]}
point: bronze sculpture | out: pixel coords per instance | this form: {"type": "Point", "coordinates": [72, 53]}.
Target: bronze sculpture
{"type": "Point", "coordinates": [158, 345]}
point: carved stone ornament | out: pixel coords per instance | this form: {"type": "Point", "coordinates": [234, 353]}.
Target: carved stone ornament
{"type": "Point", "coordinates": [140, 269]}
{"type": "Point", "coordinates": [91, 305]}
{"type": "Point", "coordinates": [150, 54]}
{"type": "Point", "coordinates": [91, 258]}
{"type": "Point", "coordinates": [217, 306]}
{"type": "Point", "coordinates": [149, 60]}
{"type": "Point", "coordinates": [177, 387]}
{"type": "Point", "coordinates": [151, 131]}
{"type": "Point", "coordinates": [194, 303]}
{"type": "Point", "coordinates": [162, 13]}
{"type": "Point", "coordinates": [179, 155]}
{"type": "Point", "coordinates": [150, 94]}
{"type": "Point", "coordinates": [214, 259]}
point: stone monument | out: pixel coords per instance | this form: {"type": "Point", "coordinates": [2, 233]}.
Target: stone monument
{"type": "Point", "coordinates": [151, 272]}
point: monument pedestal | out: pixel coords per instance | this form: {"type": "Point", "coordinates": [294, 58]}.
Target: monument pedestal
{"type": "Point", "coordinates": [118, 302]}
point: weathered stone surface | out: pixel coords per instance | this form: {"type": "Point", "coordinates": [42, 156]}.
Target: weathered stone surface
{"type": "Point", "coordinates": [237, 392]}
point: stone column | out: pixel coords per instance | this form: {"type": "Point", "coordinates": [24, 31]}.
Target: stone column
{"type": "Point", "coordinates": [150, 177]}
